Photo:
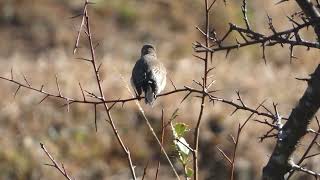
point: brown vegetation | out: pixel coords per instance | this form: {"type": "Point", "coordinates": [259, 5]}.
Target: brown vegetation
{"type": "Point", "coordinates": [37, 42]}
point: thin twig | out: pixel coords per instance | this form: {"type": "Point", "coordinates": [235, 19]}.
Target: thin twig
{"type": "Point", "coordinates": [162, 139]}
{"type": "Point", "coordinates": [55, 164]}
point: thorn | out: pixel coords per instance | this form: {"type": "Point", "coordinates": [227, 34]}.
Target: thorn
{"type": "Point", "coordinates": [11, 72]}
{"type": "Point", "coordinates": [232, 138]}
{"type": "Point", "coordinates": [211, 5]}
{"type": "Point", "coordinates": [201, 58]}
{"type": "Point", "coordinates": [97, 45]}
{"type": "Point", "coordinates": [113, 105]}
{"type": "Point", "coordinates": [15, 94]}
{"type": "Point", "coordinates": [84, 59]}
{"type": "Point", "coordinates": [51, 165]}
{"type": "Point", "coordinates": [198, 96]}
{"type": "Point", "coordinates": [100, 65]}
{"type": "Point", "coordinates": [293, 21]}
{"type": "Point", "coordinates": [303, 79]}
{"type": "Point", "coordinates": [58, 87]}
{"type": "Point", "coordinates": [44, 98]}
{"type": "Point", "coordinates": [264, 54]}
{"type": "Point", "coordinates": [235, 110]}
{"type": "Point", "coordinates": [175, 88]}
{"type": "Point", "coordinates": [84, 97]}
{"type": "Point", "coordinates": [238, 43]}
{"type": "Point", "coordinates": [291, 54]}
{"type": "Point", "coordinates": [281, 1]}
{"type": "Point", "coordinates": [68, 105]}
{"type": "Point", "coordinates": [186, 96]}
{"type": "Point", "coordinates": [25, 79]}
{"type": "Point", "coordinates": [197, 82]}
{"type": "Point", "coordinates": [75, 49]}
{"type": "Point", "coordinates": [86, 32]}
{"type": "Point", "coordinates": [224, 155]}
{"type": "Point", "coordinates": [210, 69]}
{"type": "Point", "coordinates": [227, 53]}
{"type": "Point", "coordinates": [75, 16]}
{"type": "Point", "coordinates": [210, 84]}
{"type": "Point", "coordinates": [41, 89]}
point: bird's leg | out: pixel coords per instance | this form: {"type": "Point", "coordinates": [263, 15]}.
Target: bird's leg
{"type": "Point", "coordinates": [138, 92]}
{"type": "Point", "coordinates": [138, 96]}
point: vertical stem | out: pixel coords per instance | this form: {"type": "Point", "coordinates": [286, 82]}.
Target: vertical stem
{"type": "Point", "coordinates": [204, 86]}
{"type": "Point", "coordinates": [234, 152]}
{"type": "Point", "coordinates": [162, 139]}
{"type": "Point", "coordinates": [115, 131]}
{"type": "Point", "coordinates": [294, 129]}
{"type": "Point", "coordinates": [311, 11]}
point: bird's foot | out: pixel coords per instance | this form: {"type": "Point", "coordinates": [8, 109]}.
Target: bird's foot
{"type": "Point", "coordinates": [138, 97]}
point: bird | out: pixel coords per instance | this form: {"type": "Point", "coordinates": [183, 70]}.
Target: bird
{"type": "Point", "coordinates": [148, 75]}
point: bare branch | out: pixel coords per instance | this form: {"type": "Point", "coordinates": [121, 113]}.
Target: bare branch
{"type": "Point", "coordinates": [55, 163]}
{"type": "Point", "coordinates": [224, 155]}
{"type": "Point", "coordinates": [294, 129]}
{"type": "Point", "coordinates": [244, 12]}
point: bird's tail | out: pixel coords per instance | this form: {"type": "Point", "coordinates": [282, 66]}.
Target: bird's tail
{"type": "Point", "coordinates": [149, 99]}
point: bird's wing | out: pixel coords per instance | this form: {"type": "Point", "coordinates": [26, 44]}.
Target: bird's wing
{"type": "Point", "coordinates": [139, 77]}
{"type": "Point", "coordinates": [158, 75]}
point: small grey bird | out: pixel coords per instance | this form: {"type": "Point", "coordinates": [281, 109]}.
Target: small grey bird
{"type": "Point", "coordinates": [148, 75]}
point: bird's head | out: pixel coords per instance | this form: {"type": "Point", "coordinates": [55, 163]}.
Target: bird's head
{"type": "Point", "coordinates": [148, 49]}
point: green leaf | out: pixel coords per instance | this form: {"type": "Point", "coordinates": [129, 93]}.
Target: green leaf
{"type": "Point", "coordinates": [180, 129]}
{"type": "Point", "coordinates": [189, 172]}
{"type": "Point", "coordinates": [181, 145]}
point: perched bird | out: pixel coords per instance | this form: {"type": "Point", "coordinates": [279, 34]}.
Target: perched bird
{"type": "Point", "coordinates": [148, 75]}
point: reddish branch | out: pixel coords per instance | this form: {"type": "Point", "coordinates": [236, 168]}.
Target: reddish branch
{"type": "Point", "coordinates": [186, 89]}
{"type": "Point", "coordinates": [235, 142]}
{"type": "Point", "coordinates": [203, 97]}
{"type": "Point", "coordinates": [96, 69]}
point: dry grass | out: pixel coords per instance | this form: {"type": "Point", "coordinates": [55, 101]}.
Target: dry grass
{"type": "Point", "coordinates": [122, 28]}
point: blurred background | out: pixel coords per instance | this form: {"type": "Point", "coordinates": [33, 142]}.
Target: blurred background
{"type": "Point", "coordinates": [37, 40]}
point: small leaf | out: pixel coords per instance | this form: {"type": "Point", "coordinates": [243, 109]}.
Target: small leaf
{"type": "Point", "coordinates": [180, 129]}
{"type": "Point", "coordinates": [189, 172]}
{"type": "Point", "coordinates": [181, 145]}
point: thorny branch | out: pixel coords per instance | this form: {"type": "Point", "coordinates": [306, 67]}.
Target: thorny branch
{"type": "Point", "coordinates": [294, 129]}
{"type": "Point", "coordinates": [98, 80]}
{"type": "Point", "coordinates": [236, 143]}
{"type": "Point", "coordinates": [204, 89]}
{"type": "Point", "coordinates": [290, 37]}
{"type": "Point", "coordinates": [311, 12]}
{"type": "Point", "coordinates": [187, 89]}
{"type": "Point", "coordinates": [305, 154]}
{"type": "Point", "coordinates": [55, 164]}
